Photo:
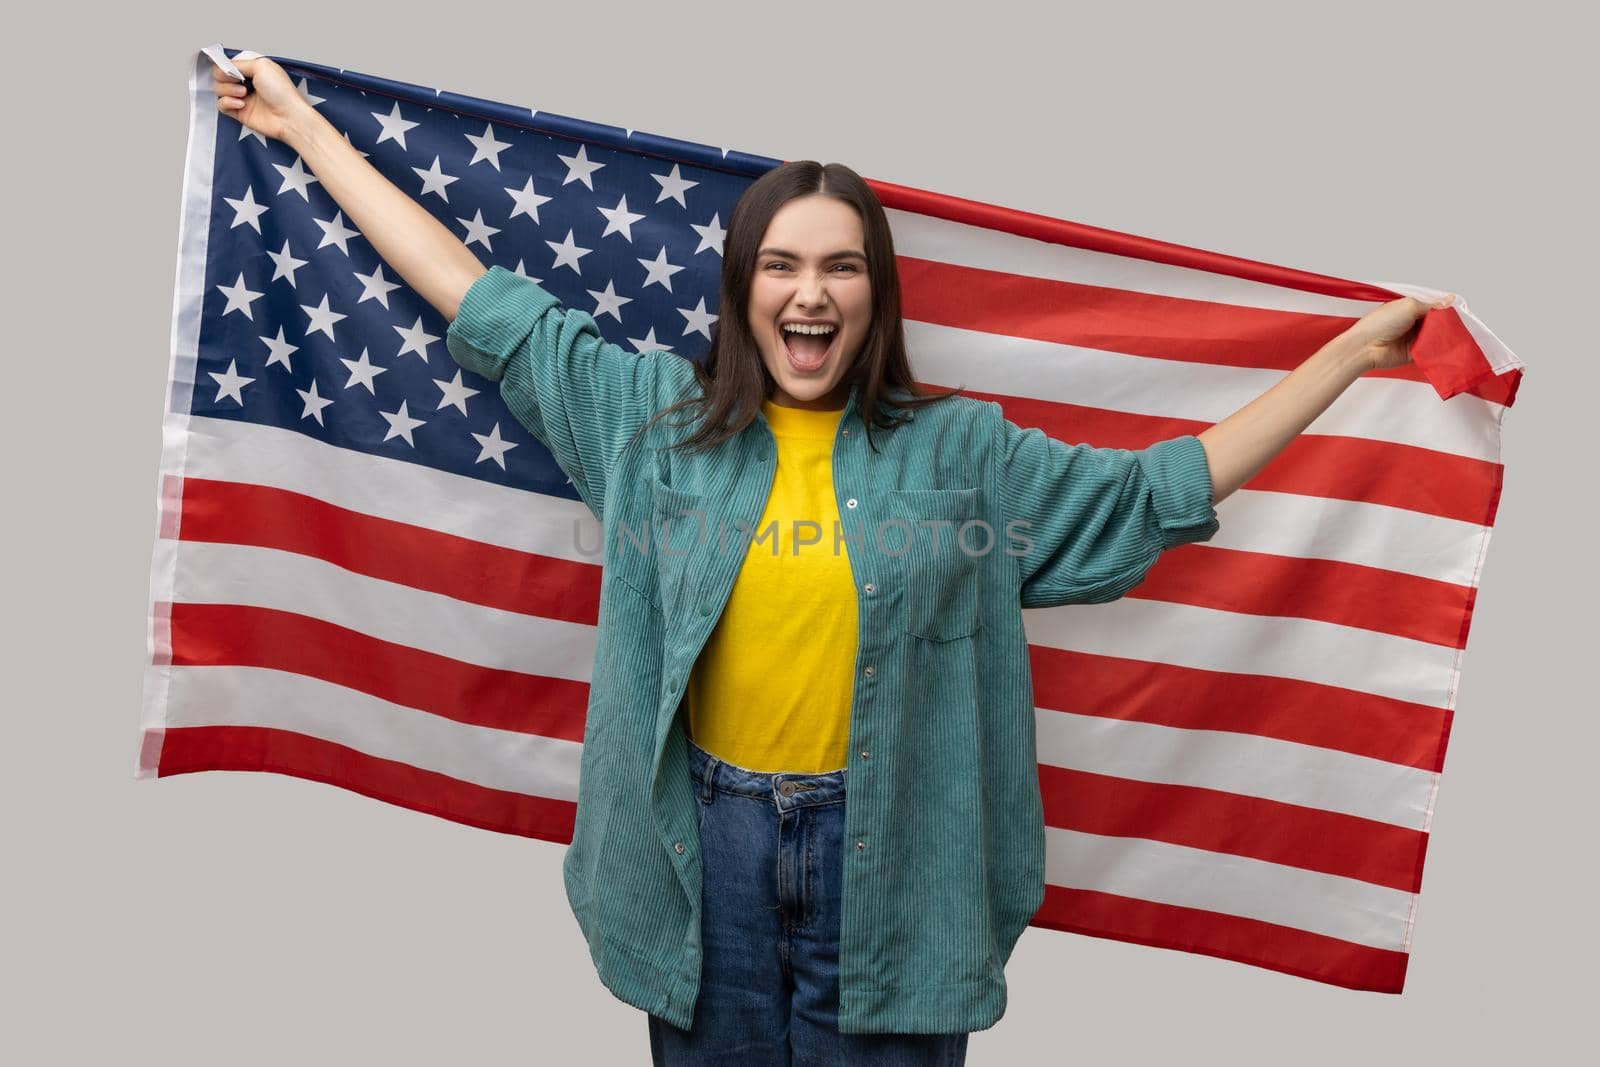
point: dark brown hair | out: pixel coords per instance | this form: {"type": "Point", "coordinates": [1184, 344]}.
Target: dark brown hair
{"type": "Point", "coordinates": [733, 379]}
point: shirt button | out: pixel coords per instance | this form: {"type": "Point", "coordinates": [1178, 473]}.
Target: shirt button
{"type": "Point", "coordinates": [865, 754]}
{"type": "Point", "coordinates": [870, 588]}
{"type": "Point", "coordinates": [861, 846]}
{"type": "Point", "coordinates": [850, 503]}
{"type": "Point", "coordinates": [677, 846]}
{"type": "Point", "coordinates": [845, 432]}
{"type": "Point", "coordinates": [705, 609]}
{"type": "Point", "coordinates": [869, 671]}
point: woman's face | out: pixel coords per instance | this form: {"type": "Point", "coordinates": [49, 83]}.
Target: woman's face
{"type": "Point", "coordinates": [811, 267]}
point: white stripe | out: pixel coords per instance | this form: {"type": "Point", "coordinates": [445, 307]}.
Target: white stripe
{"type": "Point", "coordinates": [286, 581]}
{"type": "Point", "coordinates": [231, 450]}
{"type": "Point", "coordinates": [499, 759]}
{"type": "Point", "coordinates": [1327, 904]}
{"type": "Point", "coordinates": [1376, 409]}
{"type": "Point", "coordinates": [1240, 763]}
{"type": "Point", "coordinates": [926, 237]}
{"type": "Point", "coordinates": [1325, 653]}
{"type": "Point", "coordinates": [1351, 531]}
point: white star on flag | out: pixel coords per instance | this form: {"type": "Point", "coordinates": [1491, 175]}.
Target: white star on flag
{"type": "Point", "coordinates": [394, 126]}
{"type": "Point", "coordinates": [699, 320]}
{"type": "Point", "coordinates": [375, 286]}
{"type": "Point", "coordinates": [659, 270]}
{"type": "Point", "coordinates": [322, 318]}
{"type": "Point", "coordinates": [494, 446]}
{"type": "Point", "coordinates": [239, 297]}
{"type": "Point", "coordinates": [580, 168]}
{"type": "Point", "coordinates": [314, 403]}
{"type": "Point", "coordinates": [246, 212]}
{"type": "Point", "coordinates": [362, 372]}
{"type": "Point", "coordinates": [648, 343]}
{"type": "Point", "coordinates": [487, 148]}
{"type": "Point", "coordinates": [230, 384]}
{"type": "Point", "coordinates": [415, 339]}
{"type": "Point", "coordinates": [437, 181]}
{"type": "Point", "coordinates": [711, 235]}
{"type": "Point", "coordinates": [297, 178]}
{"type": "Point", "coordinates": [279, 349]}
{"type": "Point", "coordinates": [527, 202]}
{"type": "Point", "coordinates": [455, 393]}
{"type": "Point", "coordinates": [284, 264]}
{"type": "Point", "coordinates": [673, 185]}
{"type": "Point", "coordinates": [608, 302]}
{"type": "Point", "coordinates": [305, 91]}
{"type": "Point", "coordinates": [401, 424]}
{"type": "Point", "coordinates": [619, 219]}
{"type": "Point", "coordinates": [568, 254]}
{"type": "Point", "coordinates": [334, 232]}
{"type": "Point", "coordinates": [478, 230]}
{"type": "Point", "coordinates": [245, 131]}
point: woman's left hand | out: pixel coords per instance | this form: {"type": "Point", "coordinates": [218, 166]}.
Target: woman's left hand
{"type": "Point", "coordinates": [1384, 334]}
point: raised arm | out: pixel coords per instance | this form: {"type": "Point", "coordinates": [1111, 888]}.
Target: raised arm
{"type": "Point", "coordinates": [1244, 442]}
{"type": "Point", "coordinates": [431, 259]}
{"type": "Point", "coordinates": [580, 395]}
{"type": "Point", "coordinates": [1098, 518]}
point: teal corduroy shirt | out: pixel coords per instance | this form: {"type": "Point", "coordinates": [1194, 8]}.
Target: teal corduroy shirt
{"type": "Point", "coordinates": [944, 829]}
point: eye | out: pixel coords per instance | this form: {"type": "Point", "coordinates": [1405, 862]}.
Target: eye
{"type": "Point", "coordinates": [849, 267]}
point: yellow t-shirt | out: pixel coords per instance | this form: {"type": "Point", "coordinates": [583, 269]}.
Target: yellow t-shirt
{"type": "Point", "coordinates": [771, 689]}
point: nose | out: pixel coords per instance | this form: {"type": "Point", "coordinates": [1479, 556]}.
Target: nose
{"type": "Point", "coordinates": [811, 290]}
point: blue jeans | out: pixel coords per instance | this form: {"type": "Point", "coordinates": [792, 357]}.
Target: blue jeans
{"type": "Point", "coordinates": [771, 846]}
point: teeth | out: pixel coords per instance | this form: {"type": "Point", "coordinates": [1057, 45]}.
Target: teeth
{"type": "Point", "coordinates": [795, 327]}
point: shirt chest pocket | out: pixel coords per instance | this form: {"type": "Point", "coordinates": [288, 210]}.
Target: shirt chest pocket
{"type": "Point", "coordinates": [937, 564]}
{"type": "Point", "coordinates": [679, 536]}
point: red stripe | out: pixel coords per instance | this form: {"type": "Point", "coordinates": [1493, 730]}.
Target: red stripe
{"type": "Point", "coordinates": [1115, 320]}
{"type": "Point", "coordinates": [1231, 937]}
{"type": "Point", "coordinates": [1345, 594]}
{"type": "Point", "coordinates": [1288, 709]}
{"type": "Point", "coordinates": [1324, 465]}
{"type": "Point", "coordinates": [237, 513]}
{"type": "Point", "coordinates": [1446, 354]}
{"type": "Point", "coordinates": [1290, 834]}
{"type": "Point", "coordinates": [255, 748]}
{"type": "Point", "coordinates": [1175, 328]}
{"type": "Point", "coordinates": [216, 635]}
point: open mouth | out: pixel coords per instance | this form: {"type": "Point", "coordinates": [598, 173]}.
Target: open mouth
{"type": "Point", "coordinates": [809, 352]}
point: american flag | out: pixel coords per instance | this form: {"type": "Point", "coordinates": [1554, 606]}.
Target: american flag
{"type": "Point", "coordinates": [367, 573]}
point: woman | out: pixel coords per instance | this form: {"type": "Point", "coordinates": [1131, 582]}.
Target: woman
{"type": "Point", "coordinates": [722, 881]}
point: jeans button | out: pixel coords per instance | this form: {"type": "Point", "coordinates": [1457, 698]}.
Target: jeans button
{"type": "Point", "coordinates": [786, 788]}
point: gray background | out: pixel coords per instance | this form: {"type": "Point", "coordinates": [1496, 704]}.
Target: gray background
{"type": "Point", "coordinates": [237, 918]}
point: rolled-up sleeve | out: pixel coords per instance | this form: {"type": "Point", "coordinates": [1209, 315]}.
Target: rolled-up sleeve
{"type": "Point", "coordinates": [1093, 520]}
{"type": "Point", "coordinates": [582, 397]}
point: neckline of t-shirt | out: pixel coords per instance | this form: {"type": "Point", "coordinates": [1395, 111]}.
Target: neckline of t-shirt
{"type": "Point", "coordinates": [801, 422]}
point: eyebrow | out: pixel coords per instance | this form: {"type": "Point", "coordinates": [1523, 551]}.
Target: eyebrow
{"type": "Point", "coordinates": [847, 253]}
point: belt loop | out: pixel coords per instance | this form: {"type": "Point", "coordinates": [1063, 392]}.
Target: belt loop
{"type": "Point", "coordinates": [708, 778]}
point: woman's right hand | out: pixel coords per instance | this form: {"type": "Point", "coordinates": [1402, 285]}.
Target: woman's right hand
{"type": "Point", "coordinates": [269, 107]}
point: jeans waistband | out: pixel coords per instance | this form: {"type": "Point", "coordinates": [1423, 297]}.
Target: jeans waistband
{"type": "Point", "coordinates": [787, 789]}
